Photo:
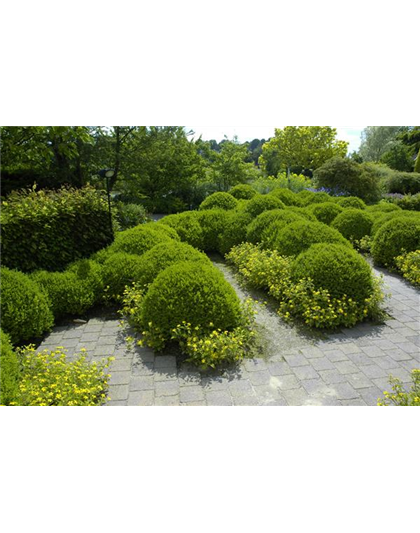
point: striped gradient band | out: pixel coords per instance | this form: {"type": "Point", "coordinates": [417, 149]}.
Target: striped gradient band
{"type": "Point", "coordinates": [62, 469]}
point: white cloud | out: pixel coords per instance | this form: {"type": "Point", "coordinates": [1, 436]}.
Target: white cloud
{"type": "Point", "coordinates": [248, 133]}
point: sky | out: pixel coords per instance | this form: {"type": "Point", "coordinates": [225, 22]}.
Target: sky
{"type": "Point", "coordinates": [248, 133]}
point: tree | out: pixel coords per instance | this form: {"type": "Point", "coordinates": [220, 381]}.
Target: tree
{"type": "Point", "coordinates": [376, 140]}
{"type": "Point", "coordinates": [411, 137]}
{"type": "Point", "coordinates": [306, 147]}
{"type": "Point", "coordinates": [229, 166]}
{"type": "Point", "coordinates": [399, 157]}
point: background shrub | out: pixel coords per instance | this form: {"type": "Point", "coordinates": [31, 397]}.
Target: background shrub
{"type": "Point", "coordinates": [286, 196]}
{"type": "Point", "coordinates": [142, 238]}
{"type": "Point", "coordinates": [404, 183]}
{"type": "Point", "coordinates": [351, 202]}
{"type": "Point", "coordinates": [408, 202]}
{"type": "Point", "coordinates": [9, 371]}
{"type": "Point", "coordinates": [394, 238]}
{"type": "Point", "coordinates": [187, 226]}
{"type": "Point", "coordinates": [212, 222]}
{"type": "Point", "coordinates": [235, 231]}
{"type": "Point", "coordinates": [318, 198]}
{"type": "Point", "coordinates": [353, 224]}
{"type": "Point", "coordinates": [119, 270]}
{"type": "Point", "coordinates": [194, 293]}
{"type": "Point", "coordinates": [261, 203]}
{"type": "Point", "coordinates": [256, 228]}
{"type": "Point", "coordinates": [347, 274]}
{"type": "Point", "coordinates": [49, 229]}
{"type": "Point", "coordinates": [90, 273]}
{"type": "Point", "coordinates": [326, 212]}
{"type": "Point", "coordinates": [164, 255]}
{"type": "Point", "coordinates": [299, 236]}
{"type": "Point", "coordinates": [304, 212]}
{"type": "Point", "coordinates": [25, 309]}
{"type": "Point", "coordinates": [130, 215]}
{"type": "Point", "coordinates": [219, 200]}
{"type": "Point", "coordinates": [383, 207]}
{"type": "Point", "coordinates": [243, 192]}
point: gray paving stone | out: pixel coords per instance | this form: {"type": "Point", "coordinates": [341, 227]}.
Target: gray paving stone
{"type": "Point", "coordinates": [246, 400]}
{"type": "Point", "coordinates": [106, 341]}
{"type": "Point", "coordinates": [350, 348]}
{"type": "Point", "coordinates": [143, 369]}
{"type": "Point", "coordinates": [305, 372]}
{"type": "Point", "coordinates": [120, 378]}
{"type": "Point", "coordinates": [165, 375]}
{"type": "Point", "coordinates": [373, 351]}
{"type": "Point", "coordinates": [344, 391]}
{"type": "Point", "coordinates": [296, 360]}
{"type": "Point", "coordinates": [346, 367]}
{"type": "Point", "coordinates": [278, 402]}
{"type": "Point", "coordinates": [386, 362]}
{"type": "Point", "coordinates": [399, 355]}
{"type": "Point", "coordinates": [353, 403]}
{"type": "Point", "coordinates": [89, 337]}
{"type": "Point", "coordinates": [75, 333]}
{"type": "Point", "coordinates": [191, 394]}
{"type": "Point", "coordinates": [240, 387]}
{"type": "Point", "coordinates": [410, 365]}
{"type": "Point", "coordinates": [408, 347]}
{"type": "Point", "coordinates": [332, 376]}
{"type": "Point", "coordinates": [218, 398]}
{"type": "Point", "coordinates": [370, 396]}
{"type": "Point", "coordinates": [278, 369]}
{"type": "Point", "coordinates": [211, 383]}
{"type": "Point", "coordinates": [296, 396]}
{"type": "Point", "coordinates": [322, 364]}
{"type": "Point", "coordinates": [118, 392]}
{"type": "Point", "coordinates": [120, 365]}
{"type": "Point", "coordinates": [189, 379]}
{"type": "Point", "coordinates": [359, 381]}
{"type": "Point", "coordinates": [167, 401]}
{"type": "Point", "coordinates": [165, 361]}
{"type": "Point", "coordinates": [374, 371]}
{"type": "Point", "coordinates": [166, 388]}
{"type": "Point", "coordinates": [104, 351]}
{"type": "Point", "coordinates": [193, 404]}
{"type": "Point", "coordinates": [400, 373]}
{"type": "Point", "coordinates": [360, 359]}
{"type": "Point", "coordinates": [287, 382]}
{"type": "Point", "coordinates": [312, 352]}
{"type": "Point", "coordinates": [142, 383]}
{"type": "Point", "coordinates": [92, 328]}
{"type": "Point", "coordinates": [141, 398]}
{"type": "Point", "coordinates": [316, 387]}
{"type": "Point", "coordinates": [116, 403]}
{"type": "Point", "coordinates": [260, 378]}
{"type": "Point", "coordinates": [384, 344]}
{"type": "Point", "coordinates": [336, 355]}
{"type": "Point", "coordinates": [255, 365]}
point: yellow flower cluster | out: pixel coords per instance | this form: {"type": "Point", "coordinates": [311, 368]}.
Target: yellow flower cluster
{"type": "Point", "coordinates": [409, 265]}
{"type": "Point", "coordinates": [49, 379]}
{"type": "Point", "coordinates": [399, 396]}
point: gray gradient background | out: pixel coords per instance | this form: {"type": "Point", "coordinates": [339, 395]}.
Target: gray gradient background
{"type": "Point", "coordinates": [259, 470]}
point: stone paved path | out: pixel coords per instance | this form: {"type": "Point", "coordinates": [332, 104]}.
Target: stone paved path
{"type": "Point", "coordinates": [346, 368]}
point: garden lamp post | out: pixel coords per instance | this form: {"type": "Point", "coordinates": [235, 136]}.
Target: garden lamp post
{"type": "Point", "coordinates": [108, 174]}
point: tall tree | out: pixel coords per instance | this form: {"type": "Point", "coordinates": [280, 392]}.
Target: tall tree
{"type": "Point", "coordinates": [376, 140]}
{"type": "Point", "coordinates": [307, 147]}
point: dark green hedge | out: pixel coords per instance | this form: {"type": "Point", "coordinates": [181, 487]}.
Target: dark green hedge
{"type": "Point", "coordinates": [47, 230]}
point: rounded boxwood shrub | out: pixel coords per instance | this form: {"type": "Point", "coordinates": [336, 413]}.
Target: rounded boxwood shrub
{"type": "Point", "coordinates": [212, 222]}
{"type": "Point", "coordinates": [351, 202]}
{"type": "Point", "coordinates": [25, 309]}
{"type": "Point", "coordinates": [263, 202]}
{"type": "Point", "coordinates": [193, 292]}
{"type": "Point", "coordinates": [326, 212]}
{"type": "Point", "coordinates": [140, 239]}
{"type": "Point", "coordinates": [219, 200]}
{"type": "Point", "coordinates": [353, 224]}
{"type": "Point", "coordinates": [318, 198]}
{"type": "Point", "coordinates": [304, 212]}
{"type": "Point", "coordinates": [269, 234]}
{"type": "Point", "coordinates": [159, 228]}
{"type": "Point", "coordinates": [383, 207]}
{"type": "Point", "coordinates": [90, 273]}
{"type": "Point", "coordinates": [67, 293]}
{"type": "Point", "coordinates": [304, 195]}
{"type": "Point", "coordinates": [394, 238]}
{"type": "Point", "coordinates": [9, 371]}
{"type": "Point", "coordinates": [243, 192]}
{"type": "Point", "coordinates": [262, 222]}
{"type": "Point", "coordinates": [299, 236]}
{"type": "Point", "coordinates": [336, 268]}
{"type": "Point", "coordinates": [120, 270]}
{"type": "Point", "coordinates": [380, 219]}
{"type": "Point", "coordinates": [187, 226]}
{"type": "Point", "coordinates": [287, 196]}
{"type": "Point", "coordinates": [235, 231]}
{"type": "Point", "coordinates": [164, 255]}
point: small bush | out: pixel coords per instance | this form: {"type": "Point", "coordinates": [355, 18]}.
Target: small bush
{"type": "Point", "coordinates": [120, 270]}
{"type": "Point", "coordinates": [90, 273]}
{"type": "Point", "coordinates": [264, 220]}
{"type": "Point", "coordinates": [394, 238]}
{"type": "Point", "coordinates": [326, 212]}
{"type": "Point", "coordinates": [140, 239]}
{"type": "Point", "coordinates": [304, 212]}
{"type": "Point", "coordinates": [286, 196]}
{"type": "Point", "coordinates": [408, 202]}
{"type": "Point", "coordinates": [409, 265]}
{"type": "Point", "coordinates": [9, 371]}
{"type": "Point", "coordinates": [219, 200]}
{"type": "Point", "coordinates": [192, 292]}
{"type": "Point", "coordinates": [243, 192]}
{"type": "Point", "coordinates": [48, 379]}
{"type": "Point", "coordinates": [187, 226]}
{"type": "Point", "coordinates": [130, 215]}
{"type": "Point", "coordinates": [235, 231]}
{"type": "Point", "coordinates": [318, 198]}
{"type": "Point", "coordinates": [261, 203]}
{"type": "Point", "coordinates": [162, 256]}
{"type": "Point", "coordinates": [336, 268]}
{"type": "Point", "coordinates": [25, 309]}
{"type": "Point", "coordinates": [299, 236]}
{"type": "Point", "coordinates": [351, 202]}
{"type": "Point", "coordinates": [269, 234]}
{"type": "Point", "coordinates": [404, 183]}
{"type": "Point", "coordinates": [212, 222]}
{"type": "Point", "coordinates": [399, 395]}
{"type": "Point", "coordinates": [47, 230]}
{"type": "Point", "coordinates": [383, 207]}
{"type": "Point", "coordinates": [353, 224]}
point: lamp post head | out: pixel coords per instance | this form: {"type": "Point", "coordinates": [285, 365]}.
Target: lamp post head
{"type": "Point", "coordinates": [107, 173]}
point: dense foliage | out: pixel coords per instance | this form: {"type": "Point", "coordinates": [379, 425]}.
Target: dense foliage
{"type": "Point", "coordinates": [187, 226]}
{"type": "Point", "coordinates": [409, 266]}
{"type": "Point", "coordinates": [9, 370]}
{"type": "Point", "coordinates": [353, 224]}
{"type": "Point", "coordinates": [394, 238]}
{"type": "Point", "coordinates": [261, 203]}
{"type": "Point", "coordinates": [399, 395]}
{"type": "Point", "coordinates": [141, 238]}
{"type": "Point", "coordinates": [263, 221]}
{"type": "Point", "coordinates": [243, 192]}
{"type": "Point", "coordinates": [219, 200]}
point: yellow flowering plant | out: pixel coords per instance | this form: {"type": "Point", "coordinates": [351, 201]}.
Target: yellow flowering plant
{"type": "Point", "coordinates": [409, 266]}
{"type": "Point", "coordinates": [47, 378]}
{"type": "Point", "coordinates": [401, 397]}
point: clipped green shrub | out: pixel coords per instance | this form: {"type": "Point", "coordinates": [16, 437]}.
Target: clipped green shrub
{"type": "Point", "coordinates": [219, 200]}
{"type": "Point", "coordinates": [394, 238]}
{"type": "Point", "coordinates": [119, 270]}
{"type": "Point", "coordinates": [318, 198]}
{"type": "Point", "coordinates": [264, 221]}
{"type": "Point", "coordinates": [235, 231]}
{"type": "Point", "coordinates": [408, 202]}
{"type": "Point", "coordinates": [90, 273]}
{"type": "Point", "coordinates": [286, 196]}
{"type": "Point", "coordinates": [382, 218]}
{"type": "Point", "coordinates": [25, 309]}
{"type": "Point", "coordinates": [299, 236]}
{"type": "Point", "coordinates": [130, 215]}
{"type": "Point", "coordinates": [49, 229]}
{"type": "Point", "coordinates": [164, 255]}
{"type": "Point", "coordinates": [212, 222]}
{"type": "Point", "coordinates": [351, 202]}
{"type": "Point", "coordinates": [404, 183]}
{"type": "Point", "coordinates": [304, 212]}
{"type": "Point", "coordinates": [304, 196]}
{"type": "Point", "coordinates": [192, 292]}
{"type": "Point", "coordinates": [326, 212]}
{"type": "Point", "coordinates": [9, 371]}
{"type": "Point", "coordinates": [261, 203]}
{"type": "Point", "coordinates": [142, 238]}
{"type": "Point", "coordinates": [383, 207]}
{"type": "Point", "coordinates": [187, 226]}
{"type": "Point", "coordinates": [243, 192]}
{"type": "Point", "coordinates": [353, 224]}
{"type": "Point", "coordinates": [336, 268]}
{"type": "Point", "coordinates": [67, 293]}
